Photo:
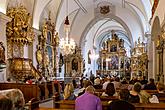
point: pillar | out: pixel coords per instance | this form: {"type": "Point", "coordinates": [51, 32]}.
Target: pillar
{"type": "Point", "coordinates": [33, 47]}
{"type": "Point", "coordinates": [164, 63]}
{"type": "Point", "coordinates": [3, 20]}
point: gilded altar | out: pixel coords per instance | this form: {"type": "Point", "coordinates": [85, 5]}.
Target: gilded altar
{"type": "Point", "coordinates": [139, 60]}
{"type": "Point", "coordinates": [73, 64]}
{"type": "Point", "coordinates": [46, 53]}
{"type": "Point", "coordinates": [113, 59]}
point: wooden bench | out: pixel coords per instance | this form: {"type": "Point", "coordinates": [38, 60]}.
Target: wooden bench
{"type": "Point", "coordinates": [151, 92]}
{"type": "Point", "coordinates": [151, 106]}
{"type": "Point", "coordinates": [109, 98]}
{"type": "Point", "coordinates": [29, 91]}
{"type": "Point", "coordinates": [70, 104]}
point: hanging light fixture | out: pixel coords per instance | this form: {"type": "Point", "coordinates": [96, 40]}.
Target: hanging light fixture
{"type": "Point", "coordinates": [67, 45]}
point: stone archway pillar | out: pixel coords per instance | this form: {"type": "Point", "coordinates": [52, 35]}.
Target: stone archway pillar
{"type": "Point", "coordinates": [164, 63]}
{"type": "Point", "coordinates": [3, 20]}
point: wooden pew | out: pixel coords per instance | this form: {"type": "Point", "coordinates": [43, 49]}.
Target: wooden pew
{"type": "Point", "coordinates": [51, 89]}
{"type": "Point", "coordinates": [29, 91]}
{"type": "Point", "coordinates": [151, 106]}
{"type": "Point", "coordinates": [44, 90]}
{"type": "Point", "coordinates": [70, 104]}
{"type": "Point", "coordinates": [151, 92]}
{"type": "Point", "coordinates": [32, 104]}
{"type": "Point", "coordinates": [109, 98]}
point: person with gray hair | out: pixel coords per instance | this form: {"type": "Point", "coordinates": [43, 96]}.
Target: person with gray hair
{"type": "Point", "coordinates": [88, 101]}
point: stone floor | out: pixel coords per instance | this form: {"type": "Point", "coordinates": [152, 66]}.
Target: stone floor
{"type": "Point", "coordinates": [47, 104]}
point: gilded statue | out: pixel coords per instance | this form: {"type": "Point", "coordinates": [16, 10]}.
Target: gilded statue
{"type": "Point", "coordinates": [44, 31]}
{"type": "Point", "coordinates": [57, 40]}
{"type": "Point", "coordinates": [46, 58]}
{"type": "Point", "coordinates": [39, 55]}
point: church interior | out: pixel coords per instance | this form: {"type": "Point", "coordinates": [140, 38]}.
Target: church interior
{"type": "Point", "coordinates": [45, 45]}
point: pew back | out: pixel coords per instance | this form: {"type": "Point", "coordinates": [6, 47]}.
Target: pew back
{"type": "Point", "coordinates": [29, 91]}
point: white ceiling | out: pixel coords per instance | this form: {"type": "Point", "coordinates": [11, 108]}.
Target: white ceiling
{"type": "Point", "coordinates": [132, 16]}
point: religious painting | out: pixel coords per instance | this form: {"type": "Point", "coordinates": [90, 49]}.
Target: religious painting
{"type": "Point", "coordinates": [113, 48]}
{"type": "Point", "coordinates": [99, 63]}
{"type": "Point", "coordinates": [114, 62]}
{"type": "Point", "coordinates": [48, 40]}
{"type": "Point", "coordinates": [75, 64]}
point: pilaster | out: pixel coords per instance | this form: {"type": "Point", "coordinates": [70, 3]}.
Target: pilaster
{"type": "Point", "coordinates": [33, 47]}
{"type": "Point", "coordinates": [3, 20]}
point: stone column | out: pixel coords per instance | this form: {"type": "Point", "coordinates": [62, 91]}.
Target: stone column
{"type": "Point", "coordinates": [3, 20]}
{"type": "Point", "coordinates": [164, 63]}
{"type": "Point", "coordinates": [33, 47]}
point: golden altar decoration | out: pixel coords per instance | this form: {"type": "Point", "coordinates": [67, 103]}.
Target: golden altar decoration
{"type": "Point", "coordinates": [139, 60]}
{"type": "Point", "coordinates": [160, 46]}
{"type": "Point", "coordinates": [19, 31]}
{"type": "Point", "coordinates": [46, 53]}
{"type": "Point", "coordinates": [112, 59]}
{"type": "Point", "coordinates": [73, 63]}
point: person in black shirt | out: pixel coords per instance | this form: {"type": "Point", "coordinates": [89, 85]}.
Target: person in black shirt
{"type": "Point", "coordinates": [123, 103]}
{"type": "Point", "coordinates": [151, 85]}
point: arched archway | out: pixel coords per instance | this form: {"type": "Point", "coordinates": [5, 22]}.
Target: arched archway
{"type": "Point", "coordinates": [95, 20]}
{"type": "Point", "coordinates": [152, 55]}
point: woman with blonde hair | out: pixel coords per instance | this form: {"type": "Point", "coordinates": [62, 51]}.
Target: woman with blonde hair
{"type": "Point", "coordinates": [68, 92]}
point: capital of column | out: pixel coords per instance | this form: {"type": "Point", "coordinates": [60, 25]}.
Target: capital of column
{"type": "Point", "coordinates": [4, 18]}
{"type": "Point", "coordinates": [37, 32]}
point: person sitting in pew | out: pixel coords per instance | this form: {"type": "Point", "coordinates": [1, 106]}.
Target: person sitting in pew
{"type": "Point", "coordinates": [88, 101]}
{"type": "Point", "coordinates": [68, 92]}
{"type": "Point", "coordinates": [161, 93]}
{"type": "Point", "coordinates": [142, 94]}
{"type": "Point", "coordinates": [110, 90]}
{"type": "Point", "coordinates": [122, 103]}
{"type": "Point", "coordinates": [151, 85]}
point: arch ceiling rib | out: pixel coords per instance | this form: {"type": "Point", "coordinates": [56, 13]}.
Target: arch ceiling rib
{"type": "Point", "coordinates": [39, 6]}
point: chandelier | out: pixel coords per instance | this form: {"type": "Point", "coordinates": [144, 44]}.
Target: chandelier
{"type": "Point", "coordinates": [67, 45]}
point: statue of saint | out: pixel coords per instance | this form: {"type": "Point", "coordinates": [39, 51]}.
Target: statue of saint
{"type": "Point", "coordinates": [39, 55]}
{"type": "Point", "coordinates": [2, 53]}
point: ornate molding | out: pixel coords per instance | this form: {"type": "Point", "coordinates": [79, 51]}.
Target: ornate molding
{"type": "Point", "coordinates": [19, 30]}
